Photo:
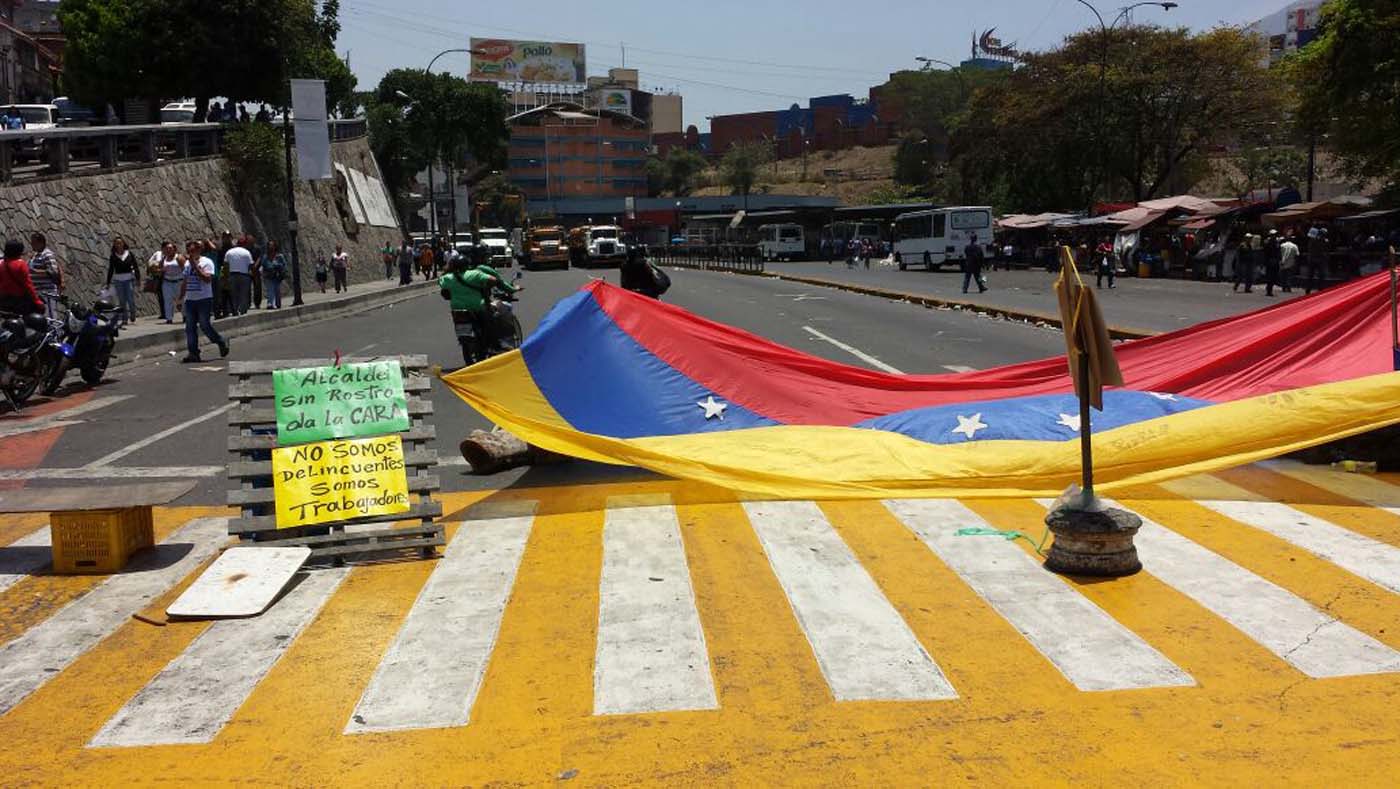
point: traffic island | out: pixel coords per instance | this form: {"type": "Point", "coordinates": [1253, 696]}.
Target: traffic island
{"type": "Point", "coordinates": [1093, 543]}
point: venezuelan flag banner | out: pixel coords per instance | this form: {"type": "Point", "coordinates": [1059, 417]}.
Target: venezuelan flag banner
{"type": "Point", "coordinates": [618, 378]}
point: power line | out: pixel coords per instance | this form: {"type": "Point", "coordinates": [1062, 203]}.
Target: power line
{"type": "Point", "coordinates": [364, 6]}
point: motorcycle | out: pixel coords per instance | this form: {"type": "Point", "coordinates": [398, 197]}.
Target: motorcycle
{"type": "Point", "coordinates": [88, 337]}
{"type": "Point", "coordinates": [29, 351]}
{"type": "Point", "coordinates": [499, 323]}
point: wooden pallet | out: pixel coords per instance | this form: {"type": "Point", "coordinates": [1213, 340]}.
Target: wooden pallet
{"type": "Point", "coordinates": [254, 420]}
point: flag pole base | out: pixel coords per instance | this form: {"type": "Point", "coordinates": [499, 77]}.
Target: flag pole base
{"type": "Point", "coordinates": [1092, 543]}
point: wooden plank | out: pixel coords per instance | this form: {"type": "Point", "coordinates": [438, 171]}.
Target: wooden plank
{"type": "Point", "coordinates": [243, 581]}
{"type": "Point", "coordinates": [265, 442]}
{"type": "Point", "coordinates": [262, 388]}
{"type": "Point", "coordinates": [387, 547]}
{"type": "Point", "coordinates": [418, 483]}
{"type": "Point", "coordinates": [323, 540]}
{"type": "Point", "coordinates": [268, 366]}
{"type": "Point", "coordinates": [422, 458]}
{"type": "Point", "coordinates": [268, 416]}
{"type": "Point", "coordinates": [93, 497]}
{"type": "Point", "coordinates": [256, 523]}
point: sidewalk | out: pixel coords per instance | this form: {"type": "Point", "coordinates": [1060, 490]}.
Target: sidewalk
{"type": "Point", "coordinates": [1136, 307]}
{"type": "Point", "coordinates": [152, 334]}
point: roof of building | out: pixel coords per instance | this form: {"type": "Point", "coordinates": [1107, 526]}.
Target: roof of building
{"type": "Point", "coordinates": [570, 111]}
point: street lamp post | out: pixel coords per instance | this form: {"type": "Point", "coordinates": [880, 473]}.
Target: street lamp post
{"type": "Point", "coordinates": [432, 190]}
{"type": "Point", "coordinates": [957, 72]}
{"type": "Point", "coordinates": [1107, 31]}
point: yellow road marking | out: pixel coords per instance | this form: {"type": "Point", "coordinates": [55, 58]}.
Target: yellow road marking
{"type": "Point", "coordinates": [34, 599]}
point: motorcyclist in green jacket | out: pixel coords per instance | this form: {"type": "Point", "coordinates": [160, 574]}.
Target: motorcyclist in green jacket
{"type": "Point", "coordinates": [468, 292]}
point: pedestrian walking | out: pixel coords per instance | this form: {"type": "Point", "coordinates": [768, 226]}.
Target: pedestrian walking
{"type": "Point", "coordinates": [1272, 260]}
{"type": "Point", "coordinates": [1103, 255]}
{"type": "Point", "coordinates": [46, 273]}
{"type": "Point", "coordinates": [1317, 259]}
{"type": "Point", "coordinates": [406, 263]}
{"type": "Point", "coordinates": [258, 251]}
{"type": "Point", "coordinates": [1244, 267]}
{"type": "Point", "coordinates": [1288, 262]}
{"type": "Point", "coordinates": [340, 267]}
{"type": "Point", "coordinates": [387, 253]}
{"type": "Point", "coordinates": [238, 261]}
{"type": "Point", "coordinates": [124, 277]}
{"type": "Point", "coordinates": [322, 272]}
{"type": "Point", "coordinates": [172, 272]}
{"type": "Point", "coordinates": [196, 300]}
{"type": "Point", "coordinates": [973, 259]}
{"type": "Point", "coordinates": [273, 267]}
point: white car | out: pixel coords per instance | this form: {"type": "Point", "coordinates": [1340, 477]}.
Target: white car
{"type": "Point", "coordinates": [36, 117]}
{"type": "Point", "coordinates": [177, 112]}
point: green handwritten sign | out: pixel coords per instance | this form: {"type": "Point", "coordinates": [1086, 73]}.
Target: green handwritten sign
{"type": "Point", "coordinates": [322, 403]}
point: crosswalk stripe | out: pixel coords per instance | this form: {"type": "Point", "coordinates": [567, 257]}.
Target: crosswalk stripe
{"type": "Point", "coordinates": [24, 557]}
{"type": "Point", "coordinates": [651, 654]}
{"type": "Point", "coordinates": [1308, 639]}
{"type": "Point", "coordinates": [865, 650]}
{"type": "Point", "coordinates": [1358, 554]}
{"type": "Point", "coordinates": [29, 661]}
{"type": "Point", "coordinates": [432, 673]}
{"type": "Point", "coordinates": [192, 698]}
{"type": "Point", "coordinates": [1089, 647]}
{"type": "Point", "coordinates": [1362, 487]}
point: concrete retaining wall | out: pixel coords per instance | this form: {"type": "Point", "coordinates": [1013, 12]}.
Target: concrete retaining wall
{"type": "Point", "coordinates": [81, 214]}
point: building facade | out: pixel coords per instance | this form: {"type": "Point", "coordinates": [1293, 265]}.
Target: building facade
{"type": "Point", "coordinates": [567, 151]}
{"type": "Point", "coordinates": [828, 123]}
{"type": "Point", "coordinates": [28, 69]}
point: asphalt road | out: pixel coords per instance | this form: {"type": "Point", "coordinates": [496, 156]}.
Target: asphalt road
{"type": "Point", "coordinates": [1156, 305]}
{"type": "Point", "coordinates": [158, 419]}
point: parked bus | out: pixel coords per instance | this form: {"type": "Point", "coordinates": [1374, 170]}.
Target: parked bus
{"type": "Point", "coordinates": [782, 242]}
{"type": "Point", "coordinates": [936, 237]}
{"type": "Point", "coordinates": [848, 229]}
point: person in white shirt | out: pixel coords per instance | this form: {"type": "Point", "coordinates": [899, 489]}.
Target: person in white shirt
{"type": "Point", "coordinates": [172, 272]}
{"type": "Point", "coordinates": [340, 266]}
{"type": "Point", "coordinates": [196, 298]}
{"type": "Point", "coordinates": [238, 262]}
{"type": "Point", "coordinates": [1288, 263]}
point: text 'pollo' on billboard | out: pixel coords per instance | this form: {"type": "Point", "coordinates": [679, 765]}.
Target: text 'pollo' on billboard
{"type": "Point", "coordinates": [507, 60]}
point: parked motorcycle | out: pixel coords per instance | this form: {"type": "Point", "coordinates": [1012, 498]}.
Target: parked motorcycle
{"type": "Point", "coordinates": [29, 351]}
{"type": "Point", "coordinates": [89, 336]}
{"type": "Point", "coordinates": [500, 323]}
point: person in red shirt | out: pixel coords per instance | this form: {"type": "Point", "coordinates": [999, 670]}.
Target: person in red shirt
{"type": "Point", "coordinates": [17, 293]}
{"type": "Point", "coordinates": [1103, 255]}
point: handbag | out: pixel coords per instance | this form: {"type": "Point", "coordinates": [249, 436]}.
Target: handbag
{"type": "Point", "coordinates": [661, 278]}
{"type": "Point", "coordinates": [150, 285]}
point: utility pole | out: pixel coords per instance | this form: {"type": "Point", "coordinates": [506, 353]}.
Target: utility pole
{"type": "Point", "coordinates": [291, 210]}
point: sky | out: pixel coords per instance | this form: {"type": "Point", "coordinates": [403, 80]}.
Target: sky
{"type": "Point", "coordinates": [728, 56]}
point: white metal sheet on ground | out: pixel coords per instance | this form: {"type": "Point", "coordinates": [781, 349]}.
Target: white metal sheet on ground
{"type": "Point", "coordinates": [432, 672]}
{"type": "Point", "coordinates": [651, 654]}
{"type": "Point", "coordinates": [243, 581]}
{"type": "Point", "coordinates": [1090, 648]}
{"type": "Point", "coordinates": [50, 646]}
{"type": "Point", "coordinates": [198, 692]}
{"type": "Point", "coordinates": [865, 650]}
{"type": "Point", "coordinates": [1363, 487]}
{"type": "Point", "coordinates": [24, 557]}
{"type": "Point", "coordinates": [1308, 639]}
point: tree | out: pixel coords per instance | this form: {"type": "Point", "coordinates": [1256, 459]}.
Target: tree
{"type": "Point", "coordinates": [1144, 123]}
{"type": "Point", "coordinates": [1348, 86]}
{"type": "Point", "coordinates": [248, 49]}
{"type": "Point", "coordinates": [677, 173]}
{"type": "Point", "coordinates": [741, 165]}
{"type": "Point", "coordinates": [914, 160]}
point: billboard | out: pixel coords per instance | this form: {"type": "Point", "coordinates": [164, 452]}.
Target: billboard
{"type": "Point", "coordinates": [615, 99]}
{"type": "Point", "coordinates": [507, 60]}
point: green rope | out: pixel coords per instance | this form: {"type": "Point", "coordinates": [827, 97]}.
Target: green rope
{"type": "Point", "coordinates": [1008, 534]}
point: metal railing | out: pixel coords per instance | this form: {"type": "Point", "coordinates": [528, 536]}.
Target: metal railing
{"type": "Point", "coordinates": [49, 153]}
{"type": "Point", "coordinates": [736, 258]}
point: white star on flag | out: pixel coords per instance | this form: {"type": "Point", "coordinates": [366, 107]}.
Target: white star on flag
{"type": "Point", "coordinates": [1161, 396]}
{"type": "Point", "coordinates": [969, 426]}
{"type": "Point", "coordinates": [1071, 422]}
{"type": "Point", "coordinates": [712, 408]}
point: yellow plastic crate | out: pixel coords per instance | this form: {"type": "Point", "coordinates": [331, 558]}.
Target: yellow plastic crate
{"type": "Point", "coordinates": [99, 541]}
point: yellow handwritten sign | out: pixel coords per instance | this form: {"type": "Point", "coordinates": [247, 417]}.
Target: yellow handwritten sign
{"type": "Point", "coordinates": [333, 481]}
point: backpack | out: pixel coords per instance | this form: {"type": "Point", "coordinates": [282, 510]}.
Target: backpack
{"type": "Point", "coordinates": [662, 279]}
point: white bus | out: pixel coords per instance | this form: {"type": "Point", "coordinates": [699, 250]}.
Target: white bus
{"type": "Point", "coordinates": [936, 237]}
{"type": "Point", "coordinates": [782, 242]}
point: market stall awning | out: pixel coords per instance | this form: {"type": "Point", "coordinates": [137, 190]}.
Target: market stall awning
{"type": "Point", "coordinates": [1030, 221]}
